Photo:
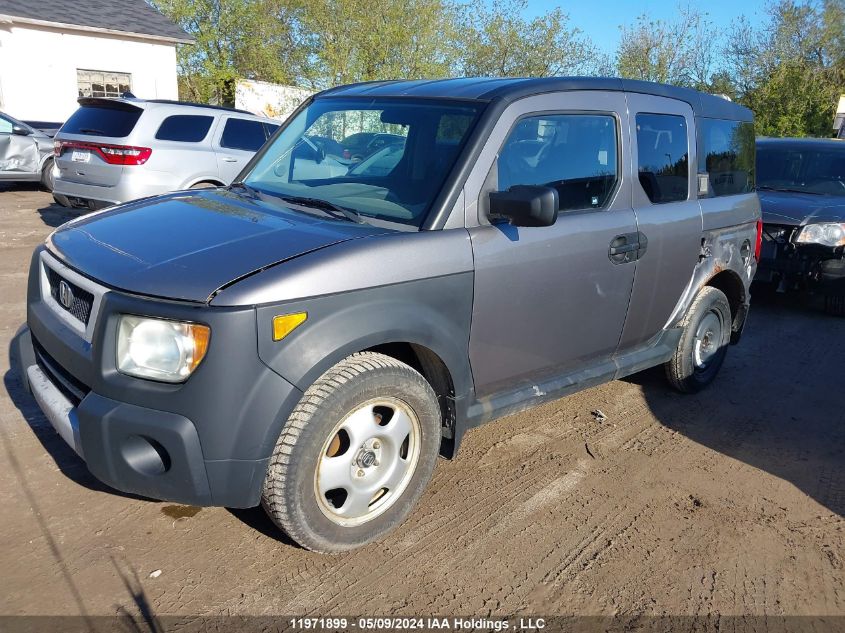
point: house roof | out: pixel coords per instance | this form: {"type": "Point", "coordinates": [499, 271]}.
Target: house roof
{"type": "Point", "coordinates": [510, 88]}
{"type": "Point", "coordinates": [132, 17]}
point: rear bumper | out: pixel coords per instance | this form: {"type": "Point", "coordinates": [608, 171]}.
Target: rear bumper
{"type": "Point", "coordinates": [131, 186]}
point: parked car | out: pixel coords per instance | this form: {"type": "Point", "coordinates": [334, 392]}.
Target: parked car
{"type": "Point", "coordinates": [26, 154]}
{"type": "Point", "coordinates": [801, 183]}
{"type": "Point", "coordinates": [114, 150]}
{"type": "Point", "coordinates": [50, 128]}
{"type": "Point", "coordinates": [312, 344]}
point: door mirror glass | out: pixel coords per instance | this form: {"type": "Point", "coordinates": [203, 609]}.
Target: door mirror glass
{"type": "Point", "coordinates": [525, 205]}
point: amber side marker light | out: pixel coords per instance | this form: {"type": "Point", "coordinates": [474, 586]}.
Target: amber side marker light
{"type": "Point", "coordinates": [287, 323]}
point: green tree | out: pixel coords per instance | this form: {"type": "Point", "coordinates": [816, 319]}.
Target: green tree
{"type": "Point", "coordinates": [791, 72]}
{"type": "Point", "coordinates": [361, 40]}
{"type": "Point", "coordinates": [497, 41]}
{"type": "Point", "coordinates": [681, 51]}
{"type": "Point", "coordinates": [252, 39]}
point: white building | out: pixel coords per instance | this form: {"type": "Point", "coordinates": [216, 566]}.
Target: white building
{"type": "Point", "coordinates": [54, 51]}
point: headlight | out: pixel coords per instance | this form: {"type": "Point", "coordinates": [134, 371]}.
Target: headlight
{"type": "Point", "coordinates": [828, 234]}
{"type": "Point", "coordinates": [158, 349]}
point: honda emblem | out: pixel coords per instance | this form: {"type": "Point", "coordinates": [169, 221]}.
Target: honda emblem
{"type": "Point", "coordinates": [65, 294]}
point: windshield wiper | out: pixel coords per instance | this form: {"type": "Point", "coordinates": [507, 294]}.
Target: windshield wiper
{"type": "Point", "coordinates": [91, 130]}
{"type": "Point", "coordinates": [335, 210]}
{"type": "Point", "coordinates": [252, 192]}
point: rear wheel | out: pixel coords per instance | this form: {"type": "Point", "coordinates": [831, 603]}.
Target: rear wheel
{"type": "Point", "coordinates": [355, 455]}
{"type": "Point", "coordinates": [704, 342]}
{"type": "Point", "coordinates": [47, 175]}
{"type": "Point", "coordinates": [203, 185]}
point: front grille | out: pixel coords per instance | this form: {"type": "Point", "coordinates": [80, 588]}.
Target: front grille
{"type": "Point", "coordinates": [73, 389]}
{"type": "Point", "coordinates": [79, 301]}
{"type": "Point", "coordinates": [777, 234]}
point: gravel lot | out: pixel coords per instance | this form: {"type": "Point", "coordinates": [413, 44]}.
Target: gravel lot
{"type": "Point", "coordinates": [729, 502]}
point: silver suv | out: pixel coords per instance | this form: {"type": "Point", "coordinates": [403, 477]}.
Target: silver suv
{"type": "Point", "coordinates": [116, 150]}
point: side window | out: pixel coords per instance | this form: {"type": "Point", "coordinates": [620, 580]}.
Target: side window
{"type": "Point", "coordinates": [270, 128]}
{"type": "Point", "coordinates": [573, 153]}
{"type": "Point", "coordinates": [5, 126]}
{"type": "Point", "coordinates": [663, 157]}
{"type": "Point", "coordinates": [243, 134]}
{"type": "Point", "coordinates": [185, 128]}
{"type": "Point", "coordinates": [726, 154]}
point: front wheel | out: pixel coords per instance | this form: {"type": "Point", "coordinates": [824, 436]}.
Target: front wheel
{"type": "Point", "coordinates": [355, 455]}
{"type": "Point", "coordinates": [704, 342]}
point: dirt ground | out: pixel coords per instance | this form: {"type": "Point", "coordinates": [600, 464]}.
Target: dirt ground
{"type": "Point", "coordinates": [725, 503]}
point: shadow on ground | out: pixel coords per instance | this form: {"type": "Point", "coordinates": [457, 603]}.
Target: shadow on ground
{"type": "Point", "coordinates": [52, 214]}
{"type": "Point", "coordinates": [777, 404]}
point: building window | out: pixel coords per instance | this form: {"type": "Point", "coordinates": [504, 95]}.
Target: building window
{"type": "Point", "coordinates": [100, 83]}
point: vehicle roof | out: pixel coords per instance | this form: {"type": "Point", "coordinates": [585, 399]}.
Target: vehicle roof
{"type": "Point", "coordinates": [144, 103]}
{"type": "Point", "coordinates": [801, 141]}
{"type": "Point", "coordinates": [513, 88]}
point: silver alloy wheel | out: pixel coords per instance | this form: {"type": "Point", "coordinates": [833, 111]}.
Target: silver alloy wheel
{"type": "Point", "coordinates": [367, 461]}
{"type": "Point", "coordinates": [708, 339]}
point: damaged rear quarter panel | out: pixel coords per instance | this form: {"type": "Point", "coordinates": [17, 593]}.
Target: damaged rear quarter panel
{"type": "Point", "coordinates": [727, 247]}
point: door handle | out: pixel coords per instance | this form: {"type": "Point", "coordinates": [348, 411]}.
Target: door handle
{"type": "Point", "coordinates": [230, 159]}
{"type": "Point", "coordinates": [627, 247]}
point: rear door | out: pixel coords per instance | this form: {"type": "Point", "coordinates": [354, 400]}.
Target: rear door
{"type": "Point", "coordinates": [237, 140]}
{"type": "Point", "coordinates": [94, 142]}
{"type": "Point", "coordinates": [18, 153]}
{"type": "Point", "coordinates": [667, 209]}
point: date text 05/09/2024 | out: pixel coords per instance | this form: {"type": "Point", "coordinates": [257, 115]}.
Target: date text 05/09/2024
{"type": "Point", "coordinates": [418, 624]}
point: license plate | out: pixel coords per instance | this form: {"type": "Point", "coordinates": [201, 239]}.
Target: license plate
{"type": "Point", "coordinates": [80, 156]}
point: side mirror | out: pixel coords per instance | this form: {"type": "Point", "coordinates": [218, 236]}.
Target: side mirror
{"type": "Point", "coordinates": [20, 130]}
{"type": "Point", "coordinates": [525, 205]}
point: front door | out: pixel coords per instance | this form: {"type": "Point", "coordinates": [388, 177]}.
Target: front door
{"type": "Point", "coordinates": [552, 300]}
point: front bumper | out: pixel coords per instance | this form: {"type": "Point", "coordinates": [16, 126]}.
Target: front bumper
{"type": "Point", "coordinates": [204, 442]}
{"type": "Point", "coordinates": [799, 266]}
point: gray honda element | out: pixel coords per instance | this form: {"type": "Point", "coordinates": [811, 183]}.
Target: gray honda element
{"type": "Point", "coordinates": [311, 340]}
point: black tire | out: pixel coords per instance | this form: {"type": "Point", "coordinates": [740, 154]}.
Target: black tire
{"type": "Point", "coordinates": [685, 374]}
{"type": "Point", "coordinates": [47, 175]}
{"type": "Point", "coordinates": [290, 496]}
{"type": "Point", "coordinates": [835, 305]}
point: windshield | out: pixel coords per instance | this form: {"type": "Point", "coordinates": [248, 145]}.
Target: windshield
{"type": "Point", "coordinates": [814, 170]}
{"type": "Point", "coordinates": [384, 159]}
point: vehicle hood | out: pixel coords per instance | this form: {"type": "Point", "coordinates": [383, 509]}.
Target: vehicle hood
{"type": "Point", "coordinates": [794, 209]}
{"type": "Point", "coordinates": [187, 245]}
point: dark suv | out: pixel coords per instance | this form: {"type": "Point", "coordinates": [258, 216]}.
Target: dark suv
{"type": "Point", "coordinates": [312, 341]}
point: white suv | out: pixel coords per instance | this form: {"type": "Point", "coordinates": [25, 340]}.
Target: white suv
{"type": "Point", "coordinates": [115, 150]}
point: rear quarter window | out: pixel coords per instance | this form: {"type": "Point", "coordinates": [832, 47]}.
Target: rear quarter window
{"type": "Point", "coordinates": [243, 134]}
{"type": "Point", "coordinates": [726, 153]}
{"type": "Point", "coordinates": [115, 122]}
{"type": "Point", "coordinates": [186, 128]}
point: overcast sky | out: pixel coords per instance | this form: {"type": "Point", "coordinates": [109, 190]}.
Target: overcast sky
{"type": "Point", "coordinates": [600, 19]}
